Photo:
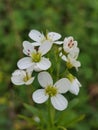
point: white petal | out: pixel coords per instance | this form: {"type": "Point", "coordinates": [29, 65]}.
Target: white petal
{"type": "Point", "coordinates": [74, 53]}
{"type": "Point", "coordinates": [36, 35]}
{"type": "Point", "coordinates": [53, 36]}
{"type": "Point", "coordinates": [45, 79]}
{"type": "Point", "coordinates": [20, 73]}
{"type": "Point", "coordinates": [36, 68]}
{"type": "Point", "coordinates": [44, 64]}
{"type": "Point", "coordinates": [29, 81]}
{"type": "Point", "coordinates": [29, 71]}
{"type": "Point", "coordinates": [45, 47]}
{"type": "Point", "coordinates": [17, 80]}
{"type": "Point", "coordinates": [76, 63]}
{"type": "Point", "coordinates": [64, 57]}
{"type": "Point", "coordinates": [25, 63]}
{"type": "Point", "coordinates": [75, 87]}
{"type": "Point", "coordinates": [63, 85]}
{"type": "Point", "coordinates": [59, 102]}
{"type": "Point", "coordinates": [36, 43]}
{"type": "Point", "coordinates": [77, 81]}
{"type": "Point", "coordinates": [28, 48]}
{"type": "Point", "coordinates": [68, 39]}
{"type": "Point", "coordinates": [39, 96]}
{"type": "Point", "coordinates": [58, 42]}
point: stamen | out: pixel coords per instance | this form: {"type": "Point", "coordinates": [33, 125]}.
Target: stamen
{"type": "Point", "coordinates": [36, 57]}
{"type": "Point", "coordinates": [51, 90]}
{"type": "Point", "coordinates": [69, 65]}
{"type": "Point", "coordinates": [26, 78]}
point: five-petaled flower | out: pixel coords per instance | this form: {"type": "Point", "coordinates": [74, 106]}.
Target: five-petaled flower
{"type": "Point", "coordinates": [20, 77]}
{"type": "Point", "coordinates": [58, 101]}
{"type": "Point", "coordinates": [35, 60]}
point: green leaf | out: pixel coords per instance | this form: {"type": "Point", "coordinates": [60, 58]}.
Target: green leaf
{"type": "Point", "coordinates": [32, 109]}
{"type": "Point", "coordinates": [28, 119]}
{"type": "Point", "coordinates": [75, 120]}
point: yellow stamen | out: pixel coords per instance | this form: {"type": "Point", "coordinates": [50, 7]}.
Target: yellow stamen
{"type": "Point", "coordinates": [51, 91]}
{"type": "Point", "coordinates": [36, 57]}
{"type": "Point", "coordinates": [26, 78]}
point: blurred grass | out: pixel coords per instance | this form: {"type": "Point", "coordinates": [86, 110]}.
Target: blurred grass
{"type": "Point", "coordinates": [76, 18]}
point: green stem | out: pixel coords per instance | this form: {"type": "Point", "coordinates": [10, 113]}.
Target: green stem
{"type": "Point", "coordinates": [51, 114]}
{"type": "Point", "coordinates": [64, 73]}
{"type": "Point", "coordinates": [57, 61]}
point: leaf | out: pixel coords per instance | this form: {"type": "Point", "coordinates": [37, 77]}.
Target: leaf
{"type": "Point", "coordinates": [32, 109]}
{"type": "Point", "coordinates": [26, 118]}
{"type": "Point", "coordinates": [75, 120]}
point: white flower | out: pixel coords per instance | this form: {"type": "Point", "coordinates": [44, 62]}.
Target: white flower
{"type": "Point", "coordinates": [69, 44]}
{"type": "Point", "coordinates": [58, 101]}
{"type": "Point", "coordinates": [40, 38]}
{"type": "Point", "coordinates": [20, 77]}
{"type": "Point", "coordinates": [35, 59]}
{"type": "Point", "coordinates": [71, 58]}
{"type": "Point", "coordinates": [75, 84]}
{"type": "Point", "coordinates": [73, 54]}
{"type": "Point", "coordinates": [72, 62]}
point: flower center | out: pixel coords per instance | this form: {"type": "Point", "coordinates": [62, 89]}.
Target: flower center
{"type": "Point", "coordinates": [48, 38]}
{"type": "Point", "coordinates": [51, 91]}
{"type": "Point", "coordinates": [36, 57]}
{"type": "Point", "coordinates": [26, 78]}
{"type": "Point", "coordinates": [69, 65]}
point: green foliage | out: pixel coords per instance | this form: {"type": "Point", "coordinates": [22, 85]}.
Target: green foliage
{"type": "Point", "coordinates": [76, 18]}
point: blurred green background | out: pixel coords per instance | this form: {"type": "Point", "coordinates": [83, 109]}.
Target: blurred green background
{"type": "Point", "coordinates": [77, 18]}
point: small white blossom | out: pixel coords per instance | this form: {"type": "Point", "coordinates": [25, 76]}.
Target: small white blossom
{"type": "Point", "coordinates": [20, 77]}
{"type": "Point", "coordinates": [58, 101]}
{"type": "Point", "coordinates": [71, 58]}
{"type": "Point", "coordinates": [40, 38]}
{"type": "Point", "coordinates": [35, 59]}
{"type": "Point", "coordinates": [72, 62]}
{"type": "Point", "coordinates": [69, 44]}
{"type": "Point", "coordinates": [73, 54]}
{"type": "Point", "coordinates": [75, 84]}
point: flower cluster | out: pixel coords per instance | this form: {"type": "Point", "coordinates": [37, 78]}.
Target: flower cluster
{"type": "Point", "coordinates": [36, 60]}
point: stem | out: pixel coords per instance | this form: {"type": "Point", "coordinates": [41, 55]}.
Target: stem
{"type": "Point", "coordinates": [51, 114]}
{"type": "Point", "coordinates": [64, 73]}
{"type": "Point", "coordinates": [56, 54]}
